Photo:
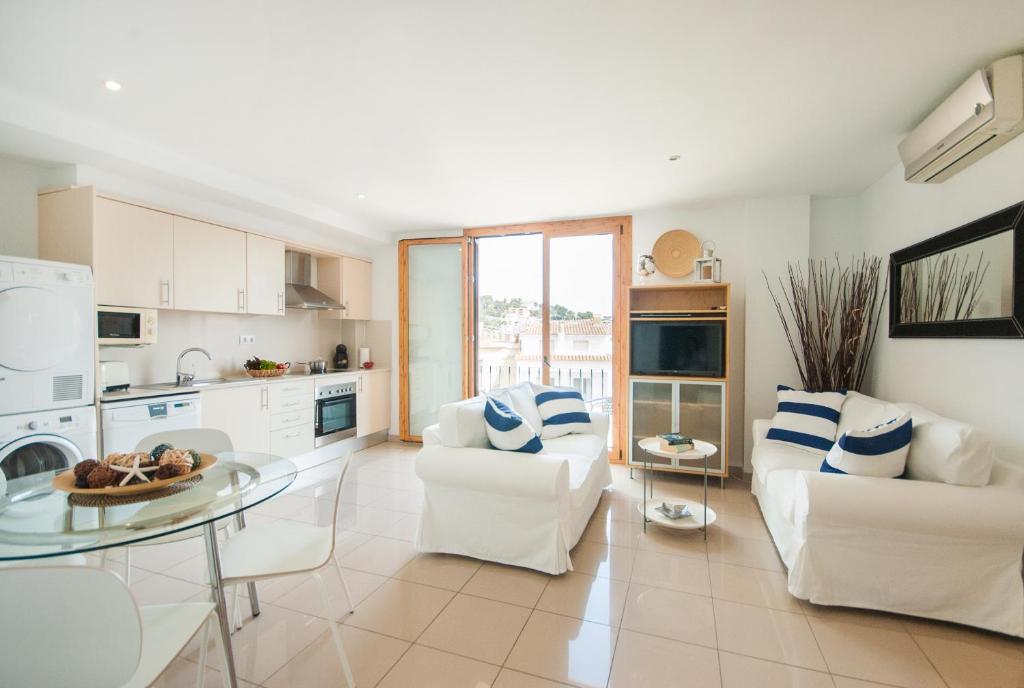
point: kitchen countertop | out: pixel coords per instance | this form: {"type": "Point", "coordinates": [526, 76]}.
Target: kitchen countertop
{"type": "Point", "coordinates": [144, 392]}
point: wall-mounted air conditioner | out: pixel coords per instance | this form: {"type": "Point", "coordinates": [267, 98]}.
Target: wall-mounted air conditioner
{"type": "Point", "coordinates": [982, 114]}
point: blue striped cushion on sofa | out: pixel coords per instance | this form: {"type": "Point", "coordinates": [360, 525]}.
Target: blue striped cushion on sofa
{"type": "Point", "coordinates": [878, 452]}
{"type": "Point", "coordinates": [807, 420]}
{"type": "Point", "coordinates": [506, 429]}
{"type": "Point", "coordinates": [563, 412]}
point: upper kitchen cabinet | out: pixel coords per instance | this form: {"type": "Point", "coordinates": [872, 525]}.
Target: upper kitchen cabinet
{"type": "Point", "coordinates": [209, 267]}
{"type": "Point", "coordinates": [264, 275]}
{"type": "Point", "coordinates": [349, 281]}
{"type": "Point", "coordinates": [130, 248]}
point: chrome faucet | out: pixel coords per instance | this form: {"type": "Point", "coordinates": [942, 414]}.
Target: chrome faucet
{"type": "Point", "coordinates": [185, 379]}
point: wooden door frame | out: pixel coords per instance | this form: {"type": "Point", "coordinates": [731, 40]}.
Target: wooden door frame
{"type": "Point", "coordinates": [403, 326]}
{"type": "Point", "coordinates": [622, 258]}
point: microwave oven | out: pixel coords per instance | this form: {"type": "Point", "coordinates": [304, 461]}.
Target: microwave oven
{"type": "Point", "coordinates": [116, 326]}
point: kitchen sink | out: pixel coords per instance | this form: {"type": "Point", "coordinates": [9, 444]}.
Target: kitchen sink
{"type": "Point", "coordinates": [194, 383]}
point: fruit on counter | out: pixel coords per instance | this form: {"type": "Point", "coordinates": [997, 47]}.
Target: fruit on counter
{"type": "Point", "coordinates": [281, 366]}
{"type": "Point", "coordinates": [257, 363]}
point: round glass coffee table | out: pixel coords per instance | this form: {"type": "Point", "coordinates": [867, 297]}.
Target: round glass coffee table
{"type": "Point", "coordinates": [701, 516]}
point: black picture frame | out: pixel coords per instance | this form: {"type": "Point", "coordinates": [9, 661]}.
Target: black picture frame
{"type": "Point", "coordinates": [1011, 327]}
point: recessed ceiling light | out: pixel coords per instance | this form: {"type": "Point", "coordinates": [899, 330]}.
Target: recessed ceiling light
{"type": "Point", "coordinates": [112, 85]}
{"type": "Point", "coordinates": [673, 158]}
{"type": "Point", "coordinates": [360, 196]}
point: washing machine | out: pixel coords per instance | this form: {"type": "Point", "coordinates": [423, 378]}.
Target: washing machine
{"type": "Point", "coordinates": [42, 441]}
{"type": "Point", "coordinates": [47, 335]}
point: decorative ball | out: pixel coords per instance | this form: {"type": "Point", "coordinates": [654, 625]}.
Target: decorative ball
{"type": "Point", "coordinates": [159, 450]}
{"type": "Point", "coordinates": [103, 476]}
{"type": "Point", "coordinates": [178, 457]}
{"type": "Point", "coordinates": [169, 470]}
{"type": "Point", "coordinates": [645, 265]}
{"type": "Point", "coordinates": [82, 470]}
{"type": "Point", "coordinates": [196, 459]}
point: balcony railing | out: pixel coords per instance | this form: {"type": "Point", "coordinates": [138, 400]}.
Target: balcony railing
{"type": "Point", "coordinates": [595, 384]}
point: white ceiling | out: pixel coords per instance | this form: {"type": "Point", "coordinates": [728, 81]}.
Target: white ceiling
{"type": "Point", "coordinates": [449, 114]}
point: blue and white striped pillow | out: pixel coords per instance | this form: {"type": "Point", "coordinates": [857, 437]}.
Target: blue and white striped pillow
{"type": "Point", "coordinates": [878, 452]}
{"type": "Point", "coordinates": [807, 420]}
{"type": "Point", "coordinates": [562, 411]}
{"type": "Point", "coordinates": [507, 430]}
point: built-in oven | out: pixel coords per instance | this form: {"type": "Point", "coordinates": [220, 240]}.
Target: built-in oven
{"type": "Point", "coordinates": [335, 412]}
{"type": "Point", "coordinates": [116, 326]}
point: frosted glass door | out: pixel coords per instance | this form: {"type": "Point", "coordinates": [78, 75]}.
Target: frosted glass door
{"type": "Point", "coordinates": [434, 330]}
{"type": "Point", "coordinates": [651, 410]}
{"type": "Point", "coordinates": [701, 416]}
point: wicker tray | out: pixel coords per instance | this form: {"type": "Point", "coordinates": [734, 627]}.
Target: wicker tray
{"type": "Point", "coordinates": [275, 372]}
{"type": "Point", "coordinates": [65, 482]}
{"type": "Point", "coordinates": [103, 498]}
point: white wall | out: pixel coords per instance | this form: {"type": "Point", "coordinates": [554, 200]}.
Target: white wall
{"type": "Point", "coordinates": [19, 182]}
{"type": "Point", "coordinates": [975, 380]}
{"type": "Point", "coordinates": [836, 231]}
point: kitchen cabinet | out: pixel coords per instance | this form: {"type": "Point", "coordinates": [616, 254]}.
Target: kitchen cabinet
{"type": "Point", "coordinates": [373, 412]}
{"type": "Point", "coordinates": [291, 441]}
{"type": "Point", "coordinates": [264, 275]}
{"type": "Point", "coordinates": [209, 267]}
{"type": "Point", "coordinates": [133, 255]}
{"type": "Point", "coordinates": [347, 280]}
{"type": "Point", "coordinates": [243, 412]}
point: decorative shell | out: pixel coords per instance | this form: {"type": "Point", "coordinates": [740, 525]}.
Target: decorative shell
{"type": "Point", "coordinates": [178, 457]}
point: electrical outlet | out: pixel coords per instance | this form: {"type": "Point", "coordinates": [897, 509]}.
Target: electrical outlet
{"type": "Point", "coordinates": [246, 339]}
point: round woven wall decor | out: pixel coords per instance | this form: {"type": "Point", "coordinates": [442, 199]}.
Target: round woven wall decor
{"type": "Point", "coordinates": [675, 251]}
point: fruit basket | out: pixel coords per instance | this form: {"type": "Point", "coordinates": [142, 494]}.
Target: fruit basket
{"type": "Point", "coordinates": [134, 473]}
{"type": "Point", "coordinates": [262, 367]}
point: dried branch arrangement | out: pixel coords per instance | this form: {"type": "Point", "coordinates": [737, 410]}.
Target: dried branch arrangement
{"type": "Point", "coordinates": [941, 287]}
{"type": "Point", "coordinates": [830, 317]}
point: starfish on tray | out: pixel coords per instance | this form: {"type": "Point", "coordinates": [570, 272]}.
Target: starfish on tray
{"type": "Point", "coordinates": [134, 471]}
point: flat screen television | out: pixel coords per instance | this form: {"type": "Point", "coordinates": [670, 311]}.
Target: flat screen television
{"type": "Point", "coordinates": [682, 348]}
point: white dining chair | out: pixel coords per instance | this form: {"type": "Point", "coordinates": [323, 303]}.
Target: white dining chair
{"type": "Point", "coordinates": [80, 626]}
{"type": "Point", "coordinates": [284, 548]}
{"type": "Point", "coordinates": [206, 440]}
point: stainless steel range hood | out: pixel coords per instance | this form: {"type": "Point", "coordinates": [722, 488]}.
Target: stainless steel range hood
{"type": "Point", "coordinates": [298, 293]}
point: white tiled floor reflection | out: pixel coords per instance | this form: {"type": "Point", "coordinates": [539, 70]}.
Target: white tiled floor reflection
{"type": "Point", "coordinates": [655, 609]}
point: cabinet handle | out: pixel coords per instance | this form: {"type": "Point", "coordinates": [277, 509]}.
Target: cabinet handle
{"type": "Point", "coordinates": [360, 383]}
{"type": "Point", "coordinates": [280, 302]}
{"type": "Point", "coordinates": [241, 300]}
{"type": "Point", "coordinates": [165, 292]}
{"type": "Point", "coordinates": [291, 434]}
{"type": "Point", "coordinates": [292, 403]}
{"type": "Point", "coordinates": [265, 397]}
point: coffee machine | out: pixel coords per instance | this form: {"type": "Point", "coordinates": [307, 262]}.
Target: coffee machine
{"type": "Point", "coordinates": [340, 357]}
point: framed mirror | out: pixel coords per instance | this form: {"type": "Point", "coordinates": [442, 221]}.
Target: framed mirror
{"type": "Point", "coordinates": [967, 282]}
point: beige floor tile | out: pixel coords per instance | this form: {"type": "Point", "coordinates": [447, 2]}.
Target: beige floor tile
{"type": "Point", "coordinates": [282, 505]}
{"type": "Point", "coordinates": [564, 649]}
{"type": "Point", "coordinates": [980, 662]}
{"type": "Point", "coordinates": [157, 589]}
{"type": "Point", "coordinates": [617, 507]}
{"type": "Point", "coordinates": [861, 617]}
{"type": "Point", "coordinates": [405, 529]}
{"type": "Point", "coordinates": [683, 543]}
{"type": "Point", "coordinates": [670, 614]}
{"type": "Point", "coordinates": [440, 570]}
{"type": "Point", "coordinates": [423, 667]}
{"type": "Point", "coordinates": [476, 627]}
{"type": "Point", "coordinates": [517, 679]}
{"type": "Point", "coordinates": [400, 609]}
{"type": "Point", "coordinates": [603, 560]}
{"type": "Point", "coordinates": [618, 533]}
{"type": "Point", "coordinates": [194, 570]}
{"type": "Point", "coordinates": [751, 527]}
{"type": "Point", "coordinates": [405, 501]}
{"type": "Point", "coordinates": [270, 590]}
{"type": "Point", "coordinates": [669, 571]}
{"type": "Point", "coordinates": [874, 654]}
{"type": "Point", "coordinates": [847, 682]}
{"type": "Point", "coordinates": [305, 597]}
{"type": "Point", "coordinates": [585, 597]}
{"type": "Point", "coordinates": [382, 556]}
{"type": "Point", "coordinates": [160, 557]}
{"type": "Point", "coordinates": [739, 671]}
{"type": "Point", "coordinates": [507, 584]}
{"type": "Point", "coordinates": [347, 540]}
{"type": "Point", "coordinates": [371, 656]}
{"type": "Point", "coordinates": [367, 519]}
{"type": "Point", "coordinates": [182, 674]}
{"type": "Point", "coordinates": [752, 586]}
{"type": "Point", "coordinates": [643, 660]}
{"type": "Point", "coordinates": [767, 634]}
{"type": "Point", "coordinates": [729, 549]}
{"type": "Point", "coordinates": [267, 643]}
{"type": "Point", "coordinates": [362, 495]}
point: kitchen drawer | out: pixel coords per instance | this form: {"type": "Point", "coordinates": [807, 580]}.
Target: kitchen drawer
{"type": "Point", "coordinates": [289, 419]}
{"type": "Point", "coordinates": [288, 442]}
{"type": "Point", "coordinates": [292, 404]}
{"type": "Point", "coordinates": [290, 388]}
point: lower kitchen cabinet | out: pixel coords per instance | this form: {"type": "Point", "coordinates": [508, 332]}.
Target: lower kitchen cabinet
{"type": "Point", "coordinates": [288, 442]}
{"type": "Point", "coordinates": [373, 412]}
{"type": "Point", "coordinates": [242, 412]}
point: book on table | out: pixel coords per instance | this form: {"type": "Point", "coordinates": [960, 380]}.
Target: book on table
{"type": "Point", "coordinates": [674, 442]}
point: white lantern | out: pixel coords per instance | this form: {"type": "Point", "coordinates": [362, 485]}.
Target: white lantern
{"type": "Point", "coordinates": [708, 268]}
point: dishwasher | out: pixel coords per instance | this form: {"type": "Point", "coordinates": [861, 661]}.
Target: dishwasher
{"type": "Point", "coordinates": [126, 423]}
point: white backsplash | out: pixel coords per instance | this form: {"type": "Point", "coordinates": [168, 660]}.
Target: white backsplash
{"type": "Point", "coordinates": [298, 336]}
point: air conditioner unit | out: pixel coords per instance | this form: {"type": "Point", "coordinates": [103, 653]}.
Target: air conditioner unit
{"type": "Point", "coordinates": [982, 114]}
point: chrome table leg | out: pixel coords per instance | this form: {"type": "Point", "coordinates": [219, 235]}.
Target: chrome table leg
{"type": "Point", "coordinates": [254, 600]}
{"type": "Point", "coordinates": [217, 589]}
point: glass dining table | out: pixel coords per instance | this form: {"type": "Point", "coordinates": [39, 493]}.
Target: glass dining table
{"type": "Point", "coordinates": [39, 524]}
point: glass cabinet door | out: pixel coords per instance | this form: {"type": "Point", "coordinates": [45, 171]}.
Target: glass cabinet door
{"type": "Point", "coordinates": [701, 415]}
{"type": "Point", "coordinates": [651, 408]}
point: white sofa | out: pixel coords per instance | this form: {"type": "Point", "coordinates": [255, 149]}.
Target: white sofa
{"type": "Point", "coordinates": [513, 508]}
{"type": "Point", "coordinates": [917, 545]}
